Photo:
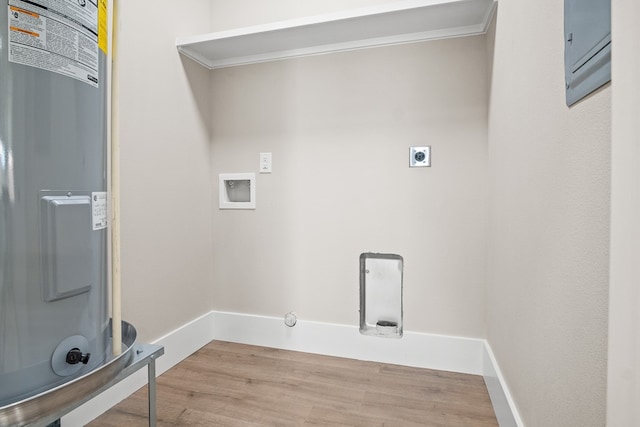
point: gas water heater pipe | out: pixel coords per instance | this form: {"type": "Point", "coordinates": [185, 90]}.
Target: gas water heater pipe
{"type": "Point", "coordinates": [116, 284]}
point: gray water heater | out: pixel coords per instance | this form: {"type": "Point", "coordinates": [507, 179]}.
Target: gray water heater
{"type": "Point", "coordinates": [54, 323]}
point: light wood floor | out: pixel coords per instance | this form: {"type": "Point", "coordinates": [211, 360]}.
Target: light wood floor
{"type": "Point", "coordinates": [226, 384]}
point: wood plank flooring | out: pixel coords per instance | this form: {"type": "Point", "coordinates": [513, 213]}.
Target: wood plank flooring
{"type": "Point", "coordinates": [228, 384]}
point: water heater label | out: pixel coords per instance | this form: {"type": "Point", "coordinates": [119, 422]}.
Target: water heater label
{"type": "Point", "coordinates": [60, 36]}
{"type": "Point", "coordinates": [99, 209]}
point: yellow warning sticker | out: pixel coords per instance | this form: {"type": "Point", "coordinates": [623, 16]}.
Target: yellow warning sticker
{"type": "Point", "coordinates": [103, 32]}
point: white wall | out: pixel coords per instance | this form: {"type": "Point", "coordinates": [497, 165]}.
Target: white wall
{"type": "Point", "coordinates": [624, 320]}
{"type": "Point", "coordinates": [549, 224]}
{"type": "Point", "coordinates": [340, 127]}
{"type": "Point", "coordinates": [226, 14]}
{"type": "Point", "coordinates": [166, 194]}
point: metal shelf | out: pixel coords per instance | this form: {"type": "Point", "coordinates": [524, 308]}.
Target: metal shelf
{"type": "Point", "coordinates": [401, 22]}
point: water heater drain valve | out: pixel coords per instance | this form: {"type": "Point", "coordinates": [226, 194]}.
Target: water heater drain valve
{"type": "Point", "coordinates": [76, 356]}
{"type": "Point", "coordinates": [70, 356]}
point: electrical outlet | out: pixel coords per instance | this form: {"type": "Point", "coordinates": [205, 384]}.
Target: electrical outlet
{"type": "Point", "coordinates": [265, 162]}
{"type": "Point", "coordinates": [420, 157]}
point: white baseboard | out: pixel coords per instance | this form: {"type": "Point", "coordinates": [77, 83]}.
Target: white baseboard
{"type": "Point", "coordinates": [440, 352]}
{"type": "Point", "coordinates": [178, 345]}
{"type": "Point", "coordinates": [501, 399]}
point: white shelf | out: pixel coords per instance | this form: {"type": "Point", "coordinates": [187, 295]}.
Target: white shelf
{"type": "Point", "coordinates": [400, 22]}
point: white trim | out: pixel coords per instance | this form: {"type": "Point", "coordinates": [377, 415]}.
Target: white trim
{"type": "Point", "coordinates": [503, 404]}
{"type": "Point", "coordinates": [470, 30]}
{"type": "Point", "coordinates": [178, 345]}
{"type": "Point", "coordinates": [441, 352]}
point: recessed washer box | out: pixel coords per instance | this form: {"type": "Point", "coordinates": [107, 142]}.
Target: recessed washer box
{"type": "Point", "coordinates": [237, 190]}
